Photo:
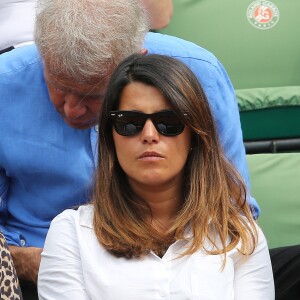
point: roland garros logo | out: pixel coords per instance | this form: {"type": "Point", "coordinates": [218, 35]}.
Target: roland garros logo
{"type": "Point", "coordinates": [263, 14]}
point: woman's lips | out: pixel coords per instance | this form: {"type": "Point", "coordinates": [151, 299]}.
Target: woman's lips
{"type": "Point", "coordinates": [150, 156]}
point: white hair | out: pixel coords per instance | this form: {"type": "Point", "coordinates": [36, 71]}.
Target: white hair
{"type": "Point", "coordinates": [86, 39]}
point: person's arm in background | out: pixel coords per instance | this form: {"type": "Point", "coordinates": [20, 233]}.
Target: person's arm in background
{"type": "Point", "coordinates": [226, 113]}
{"type": "Point", "coordinates": [159, 11]}
{"type": "Point", "coordinates": [27, 262]}
{"type": "Point", "coordinates": [26, 259]}
{"type": "Point", "coordinates": [223, 103]}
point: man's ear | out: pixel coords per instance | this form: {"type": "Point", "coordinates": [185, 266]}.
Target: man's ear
{"type": "Point", "coordinates": [143, 51]}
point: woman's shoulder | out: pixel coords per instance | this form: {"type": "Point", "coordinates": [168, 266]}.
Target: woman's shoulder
{"type": "Point", "coordinates": [82, 216]}
{"type": "Point", "coordinates": [69, 227]}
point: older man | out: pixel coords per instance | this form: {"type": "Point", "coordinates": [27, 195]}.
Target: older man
{"type": "Point", "coordinates": [50, 97]}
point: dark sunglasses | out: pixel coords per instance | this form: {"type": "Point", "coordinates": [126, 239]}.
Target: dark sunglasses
{"type": "Point", "coordinates": [129, 123]}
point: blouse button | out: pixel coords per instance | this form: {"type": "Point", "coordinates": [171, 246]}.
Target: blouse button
{"type": "Point", "coordinates": [162, 294]}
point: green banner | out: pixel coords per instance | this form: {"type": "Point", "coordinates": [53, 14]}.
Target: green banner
{"type": "Point", "coordinates": [257, 41]}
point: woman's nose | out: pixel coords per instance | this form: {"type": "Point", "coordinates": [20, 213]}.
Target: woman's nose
{"type": "Point", "coordinates": [149, 133]}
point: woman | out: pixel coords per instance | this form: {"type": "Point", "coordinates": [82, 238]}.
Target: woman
{"type": "Point", "coordinates": [9, 284]}
{"type": "Point", "coordinates": [169, 217]}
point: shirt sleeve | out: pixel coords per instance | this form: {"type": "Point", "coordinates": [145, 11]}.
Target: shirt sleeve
{"type": "Point", "coordinates": [221, 97]}
{"type": "Point", "coordinates": [3, 195]}
{"type": "Point", "coordinates": [60, 274]}
{"type": "Point", "coordinates": [253, 276]}
{"type": "Point", "coordinates": [13, 238]}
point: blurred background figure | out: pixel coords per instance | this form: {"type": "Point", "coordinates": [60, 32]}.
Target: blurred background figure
{"type": "Point", "coordinates": [16, 23]}
{"type": "Point", "coordinates": [160, 12]}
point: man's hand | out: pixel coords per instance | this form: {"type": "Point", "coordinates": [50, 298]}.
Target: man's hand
{"type": "Point", "coordinates": [27, 262]}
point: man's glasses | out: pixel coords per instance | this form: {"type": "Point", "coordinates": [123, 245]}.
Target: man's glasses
{"type": "Point", "coordinates": [129, 123]}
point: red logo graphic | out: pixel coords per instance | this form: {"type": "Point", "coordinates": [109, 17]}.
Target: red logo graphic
{"type": "Point", "coordinates": [263, 14]}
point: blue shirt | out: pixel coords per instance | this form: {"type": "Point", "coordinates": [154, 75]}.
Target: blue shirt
{"type": "Point", "coordinates": [47, 166]}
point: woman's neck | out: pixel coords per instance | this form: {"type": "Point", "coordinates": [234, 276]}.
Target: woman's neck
{"type": "Point", "coordinates": [164, 201]}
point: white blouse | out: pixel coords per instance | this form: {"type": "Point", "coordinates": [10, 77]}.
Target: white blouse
{"type": "Point", "coordinates": [75, 266]}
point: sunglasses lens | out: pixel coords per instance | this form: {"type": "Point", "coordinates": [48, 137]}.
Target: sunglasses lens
{"type": "Point", "coordinates": [127, 128]}
{"type": "Point", "coordinates": [128, 123]}
{"type": "Point", "coordinates": [167, 123]}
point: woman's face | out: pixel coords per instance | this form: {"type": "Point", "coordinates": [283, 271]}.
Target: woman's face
{"type": "Point", "coordinates": [148, 157]}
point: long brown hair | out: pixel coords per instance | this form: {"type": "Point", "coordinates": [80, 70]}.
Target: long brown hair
{"type": "Point", "coordinates": [214, 194]}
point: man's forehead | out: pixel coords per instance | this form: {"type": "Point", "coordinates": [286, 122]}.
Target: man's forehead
{"type": "Point", "coordinates": [96, 85]}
